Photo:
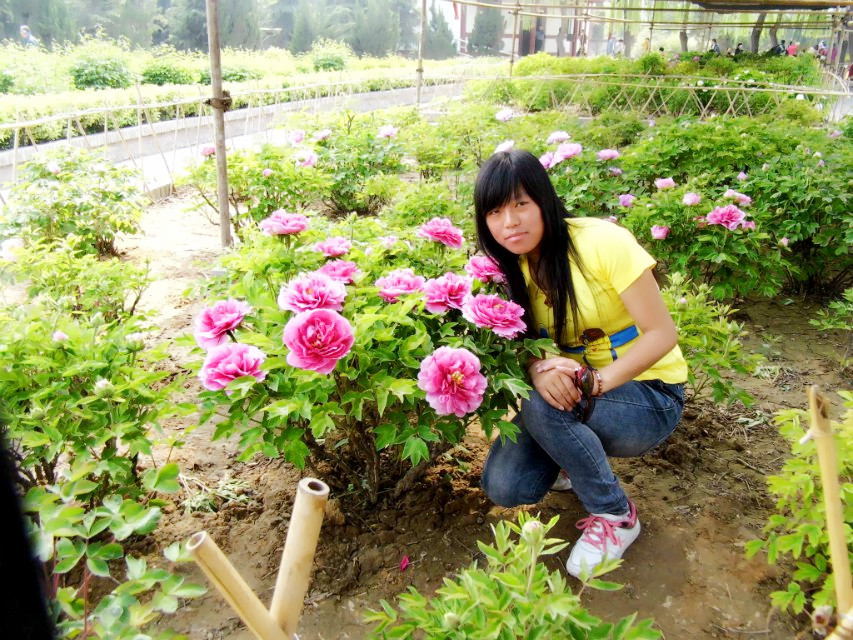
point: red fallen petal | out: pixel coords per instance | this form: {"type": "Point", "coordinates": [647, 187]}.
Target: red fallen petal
{"type": "Point", "coordinates": [405, 562]}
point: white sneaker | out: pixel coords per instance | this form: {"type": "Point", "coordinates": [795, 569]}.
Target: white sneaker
{"type": "Point", "coordinates": [562, 483]}
{"type": "Point", "coordinates": [604, 536]}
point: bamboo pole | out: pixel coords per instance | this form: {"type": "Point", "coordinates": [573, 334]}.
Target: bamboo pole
{"type": "Point", "coordinates": [844, 630]}
{"type": "Point", "coordinates": [421, 47]}
{"type": "Point", "coordinates": [821, 431]}
{"type": "Point", "coordinates": [219, 103]}
{"type": "Point", "coordinates": [298, 555]}
{"type": "Point", "coordinates": [233, 588]}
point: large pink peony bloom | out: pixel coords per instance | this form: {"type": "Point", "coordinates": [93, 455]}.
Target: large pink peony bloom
{"type": "Point", "coordinates": [442, 230]}
{"type": "Point", "coordinates": [208, 150]}
{"type": "Point", "coordinates": [317, 339]}
{"type": "Point", "coordinates": [397, 283]}
{"type": "Point", "coordinates": [664, 183]}
{"type": "Point", "coordinates": [627, 199]}
{"type": "Point", "coordinates": [296, 136]}
{"type": "Point", "coordinates": [660, 232]}
{"type": "Point", "coordinates": [281, 223]}
{"type": "Point", "coordinates": [485, 269]}
{"type": "Point", "coordinates": [608, 154]}
{"type": "Point", "coordinates": [493, 312]}
{"type": "Point", "coordinates": [691, 199]}
{"type": "Point", "coordinates": [547, 159]}
{"type": "Point", "coordinates": [558, 137]}
{"type": "Point", "coordinates": [230, 361]}
{"type": "Point", "coordinates": [305, 158]}
{"type": "Point", "coordinates": [340, 270]}
{"type": "Point", "coordinates": [567, 150]}
{"type": "Point", "coordinates": [312, 291]}
{"type": "Point", "coordinates": [334, 247]}
{"type": "Point", "coordinates": [446, 292]}
{"type": "Point", "coordinates": [388, 131]}
{"type": "Point", "coordinates": [729, 216]}
{"type": "Point", "coordinates": [452, 381]}
{"type": "Point", "coordinates": [213, 323]}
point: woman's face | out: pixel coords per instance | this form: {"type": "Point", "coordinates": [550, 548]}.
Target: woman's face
{"type": "Point", "coordinates": [517, 225]}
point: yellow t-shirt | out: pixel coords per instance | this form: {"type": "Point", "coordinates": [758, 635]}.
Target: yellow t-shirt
{"type": "Point", "coordinates": [612, 261]}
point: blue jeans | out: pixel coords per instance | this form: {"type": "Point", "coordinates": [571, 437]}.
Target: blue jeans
{"type": "Point", "coordinates": [627, 421]}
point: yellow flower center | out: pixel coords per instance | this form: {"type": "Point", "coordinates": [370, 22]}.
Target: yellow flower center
{"type": "Point", "coordinates": [458, 378]}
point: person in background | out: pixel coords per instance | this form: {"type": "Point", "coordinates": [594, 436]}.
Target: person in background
{"type": "Point", "coordinates": [739, 48]}
{"type": "Point", "coordinates": [615, 389]}
{"type": "Point", "coordinates": [611, 45]}
{"type": "Point", "coordinates": [715, 48]}
{"type": "Point", "coordinates": [793, 48]}
{"type": "Point", "coordinates": [27, 38]}
{"type": "Point", "coordinates": [662, 53]}
{"type": "Point", "coordinates": [619, 48]}
{"type": "Point", "coordinates": [540, 38]}
{"type": "Point", "coordinates": [730, 52]}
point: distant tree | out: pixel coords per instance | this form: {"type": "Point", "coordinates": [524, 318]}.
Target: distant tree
{"type": "Point", "coordinates": [136, 22]}
{"type": "Point", "coordinates": [304, 33]}
{"type": "Point", "coordinates": [439, 39]}
{"type": "Point", "coordinates": [282, 14]}
{"type": "Point", "coordinates": [49, 20]}
{"type": "Point", "coordinates": [315, 19]}
{"type": "Point", "coordinates": [409, 17]}
{"type": "Point", "coordinates": [238, 24]}
{"type": "Point", "coordinates": [188, 25]}
{"type": "Point", "coordinates": [376, 31]}
{"type": "Point", "coordinates": [486, 38]}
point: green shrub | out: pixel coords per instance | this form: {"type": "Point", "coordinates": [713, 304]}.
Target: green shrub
{"type": "Point", "coordinates": [802, 112]}
{"type": "Point", "coordinates": [329, 55]}
{"type": "Point", "coordinates": [101, 73]}
{"type": "Point", "coordinates": [231, 74]}
{"type": "Point", "coordinates": [7, 81]}
{"type": "Point", "coordinates": [71, 191]}
{"type": "Point", "coordinates": [721, 65]}
{"type": "Point", "coordinates": [797, 531]}
{"type": "Point", "coordinates": [162, 72]}
{"type": "Point", "coordinates": [613, 129]}
{"type": "Point", "coordinates": [512, 596]}
{"type": "Point", "coordinates": [652, 64]}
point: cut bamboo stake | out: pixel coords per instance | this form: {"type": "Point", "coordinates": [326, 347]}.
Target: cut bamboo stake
{"type": "Point", "coordinates": [821, 431]}
{"type": "Point", "coordinates": [233, 588]}
{"type": "Point", "coordinates": [298, 555]}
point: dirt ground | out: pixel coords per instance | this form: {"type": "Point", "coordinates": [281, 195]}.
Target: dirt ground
{"type": "Point", "coordinates": [700, 496]}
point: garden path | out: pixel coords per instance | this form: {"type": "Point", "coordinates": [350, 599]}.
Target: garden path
{"type": "Point", "coordinates": [700, 496]}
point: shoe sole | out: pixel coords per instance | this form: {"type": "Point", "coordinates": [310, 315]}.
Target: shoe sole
{"type": "Point", "coordinates": [575, 570]}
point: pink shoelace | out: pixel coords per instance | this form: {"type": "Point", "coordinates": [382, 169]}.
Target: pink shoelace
{"type": "Point", "coordinates": [598, 530]}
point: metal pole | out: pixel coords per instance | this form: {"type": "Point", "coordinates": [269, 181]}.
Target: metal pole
{"type": "Point", "coordinates": [219, 104]}
{"type": "Point", "coordinates": [514, 36]}
{"type": "Point", "coordinates": [421, 47]}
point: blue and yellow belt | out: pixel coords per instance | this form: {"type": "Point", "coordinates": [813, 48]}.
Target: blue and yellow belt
{"type": "Point", "coordinates": [592, 336]}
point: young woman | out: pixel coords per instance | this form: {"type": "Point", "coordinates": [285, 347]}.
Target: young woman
{"type": "Point", "coordinates": [616, 390]}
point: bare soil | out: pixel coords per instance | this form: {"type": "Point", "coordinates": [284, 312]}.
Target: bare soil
{"type": "Point", "coordinates": [700, 496]}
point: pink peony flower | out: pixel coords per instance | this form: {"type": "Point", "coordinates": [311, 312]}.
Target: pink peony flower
{"type": "Point", "coordinates": [340, 270]}
{"type": "Point", "coordinates": [615, 171]}
{"type": "Point", "coordinates": [627, 199]}
{"type": "Point", "coordinates": [485, 269]}
{"type": "Point", "coordinates": [664, 183]}
{"type": "Point", "coordinates": [397, 283]}
{"type": "Point", "coordinates": [547, 159]}
{"type": "Point", "coordinates": [53, 167]}
{"type": "Point", "coordinates": [296, 136]}
{"type": "Point", "coordinates": [388, 241]}
{"type": "Point", "coordinates": [691, 199]}
{"type": "Point", "coordinates": [281, 223]}
{"type": "Point", "coordinates": [333, 247]}
{"type": "Point", "coordinates": [504, 115]}
{"type": "Point", "coordinates": [305, 158]}
{"type": "Point", "coordinates": [9, 249]}
{"type": "Point", "coordinates": [208, 150]}
{"type": "Point", "coordinates": [322, 134]}
{"type": "Point", "coordinates": [446, 292]}
{"type": "Point", "coordinates": [442, 230]}
{"type": "Point", "coordinates": [835, 133]}
{"type": "Point", "coordinates": [749, 224]}
{"type": "Point", "coordinates": [317, 339]}
{"type": "Point", "coordinates": [59, 336]}
{"type": "Point", "coordinates": [557, 137]}
{"type": "Point", "coordinates": [230, 361]}
{"type": "Point", "coordinates": [742, 176]}
{"type": "Point", "coordinates": [567, 150]}
{"type": "Point", "coordinates": [213, 323]}
{"type": "Point", "coordinates": [388, 131]}
{"type": "Point", "coordinates": [729, 216]}
{"type": "Point", "coordinates": [660, 232]}
{"type": "Point", "coordinates": [784, 242]}
{"type": "Point", "coordinates": [741, 198]}
{"type": "Point", "coordinates": [505, 146]}
{"type": "Point", "coordinates": [607, 154]}
{"type": "Point", "coordinates": [493, 312]}
{"type": "Point", "coordinates": [266, 173]}
{"type": "Point", "coordinates": [312, 291]}
{"type": "Point", "coordinates": [452, 381]}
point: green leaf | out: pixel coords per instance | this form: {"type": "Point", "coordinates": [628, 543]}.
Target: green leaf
{"type": "Point", "coordinates": [164, 479]}
{"type": "Point", "coordinates": [415, 450]}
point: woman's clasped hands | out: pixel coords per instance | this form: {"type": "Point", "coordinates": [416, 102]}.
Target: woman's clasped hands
{"type": "Point", "coordinates": [554, 379]}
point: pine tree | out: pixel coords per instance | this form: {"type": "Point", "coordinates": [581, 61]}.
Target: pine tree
{"type": "Point", "coordinates": [377, 29]}
{"type": "Point", "coordinates": [439, 39]}
{"type": "Point", "coordinates": [135, 21]}
{"type": "Point", "coordinates": [188, 25]}
{"type": "Point", "coordinates": [409, 17]}
{"type": "Point", "coordinates": [304, 32]}
{"type": "Point", "coordinates": [486, 37]}
{"type": "Point", "coordinates": [282, 14]}
{"type": "Point", "coordinates": [239, 25]}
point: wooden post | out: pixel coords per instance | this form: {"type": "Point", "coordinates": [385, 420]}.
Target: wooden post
{"type": "Point", "coordinates": [219, 104]}
{"type": "Point", "coordinates": [421, 47]}
{"type": "Point", "coordinates": [298, 555]}
{"type": "Point", "coordinates": [821, 431]}
{"type": "Point", "coordinates": [514, 36]}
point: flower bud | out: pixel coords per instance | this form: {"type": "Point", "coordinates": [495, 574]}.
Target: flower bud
{"type": "Point", "coordinates": [532, 532]}
{"type": "Point", "coordinates": [682, 302]}
{"type": "Point", "coordinates": [783, 242]}
{"type": "Point", "coordinates": [451, 620]}
{"type": "Point", "coordinates": [135, 341]}
{"type": "Point", "coordinates": [59, 336]}
{"type": "Point", "coordinates": [97, 319]}
{"type": "Point", "coordinates": [104, 388]}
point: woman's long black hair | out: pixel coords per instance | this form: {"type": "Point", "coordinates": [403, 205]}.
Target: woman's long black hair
{"type": "Point", "coordinates": [500, 179]}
